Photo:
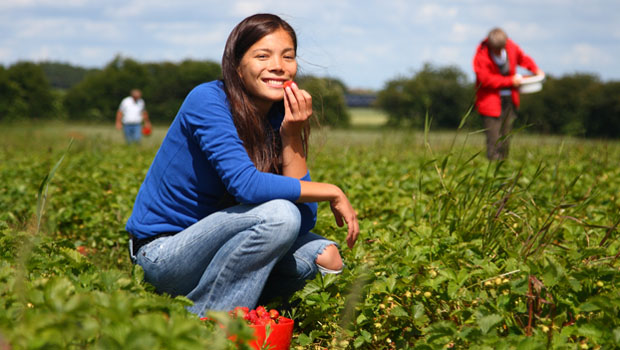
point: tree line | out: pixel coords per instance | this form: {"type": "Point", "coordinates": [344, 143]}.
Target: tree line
{"type": "Point", "coordinates": [38, 91]}
{"type": "Point", "coordinates": [579, 104]}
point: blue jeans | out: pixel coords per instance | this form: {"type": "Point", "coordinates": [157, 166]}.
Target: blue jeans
{"type": "Point", "coordinates": [226, 259]}
{"type": "Point", "coordinates": [133, 132]}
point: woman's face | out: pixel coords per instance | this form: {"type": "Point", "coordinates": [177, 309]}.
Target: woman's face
{"type": "Point", "coordinates": [267, 65]}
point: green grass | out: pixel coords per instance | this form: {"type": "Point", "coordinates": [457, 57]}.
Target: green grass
{"type": "Point", "coordinates": [455, 251]}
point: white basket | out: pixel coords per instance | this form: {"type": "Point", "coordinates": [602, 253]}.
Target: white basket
{"type": "Point", "coordinates": [531, 84]}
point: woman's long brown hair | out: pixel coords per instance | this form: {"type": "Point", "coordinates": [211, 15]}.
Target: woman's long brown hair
{"type": "Point", "coordinates": [263, 145]}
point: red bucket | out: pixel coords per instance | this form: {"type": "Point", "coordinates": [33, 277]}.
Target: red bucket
{"type": "Point", "coordinates": [280, 334]}
{"type": "Point", "coordinates": [279, 337]}
{"type": "Point", "coordinates": [146, 130]}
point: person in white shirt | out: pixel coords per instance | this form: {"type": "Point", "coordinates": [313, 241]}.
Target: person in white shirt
{"type": "Point", "coordinates": [130, 116]}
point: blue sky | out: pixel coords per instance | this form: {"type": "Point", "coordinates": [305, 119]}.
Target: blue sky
{"type": "Point", "coordinates": [363, 43]}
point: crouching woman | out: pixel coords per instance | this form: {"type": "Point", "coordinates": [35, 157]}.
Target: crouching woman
{"type": "Point", "coordinates": [225, 211]}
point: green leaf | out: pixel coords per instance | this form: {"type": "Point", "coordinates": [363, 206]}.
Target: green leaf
{"type": "Point", "coordinates": [43, 188]}
{"type": "Point", "coordinates": [589, 307]}
{"type": "Point", "coordinates": [489, 321]}
{"type": "Point", "coordinates": [616, 334]}
{"type": "Point", "coordinates": [398, 311]}
{"type": "Point", "coordinates": [553, 272]}
{"type": "Point", "coordinates": [304, 340]}
{"type": "Point", "coordinates": [574, 284]}
{"type": "Point", "coordinates": [531, 343]}
{"type": "Point", "coordinates": [453, 289]}
{"type": "Point", "coordinates": [391, 284]}
{"type": "Point", "coordinates": [367, 336]}
{"type": "Point", "coordinates": [359, 341]}
{"type": "Point", "coordinates": [590, 330]}
{"type": "Point", "coordinates": [419, 315]}
{"type": "Point", "coordinates": [440, 330]}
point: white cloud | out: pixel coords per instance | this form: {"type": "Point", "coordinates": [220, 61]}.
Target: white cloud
{"type": "Point", "coordinates": [487, 13]}
{"type": "Point", "coordinates": [425, 14]}
{"type": "Point", "coordinates": [526, 31]}
{"type": "Point", "coordinates": [11, 4]}
{"type": "Point", "coordinates": [42, 53]}
{"type": "Point", "coordinates": [246, 8]}
{"type": "Point", "coordinates": [134, 8]}
{"type": "Point", "coordinates": [352, 30]}
{"type": "Point", "coordinates": [462, 32]}
{"type": "Point", "coordinates": [288, 10]}
{"type": "Point", "coordinates": [6, 54]}
{"type": "Point", "coordinates": [584, 55]}
{"type": "Point", "coordinates": [434, 11]}
{"type": "Point", "coordinates": [66, 30]}
{"type": "Point", "coordinates": [94, 54]}
{"type": "Point", "coordinates": [448, 54]}
{"type": "Point", "coordinates": [191, 37]}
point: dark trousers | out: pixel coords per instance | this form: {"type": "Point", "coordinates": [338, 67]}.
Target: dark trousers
{"type": "Point", "coordinates": [498, 130]}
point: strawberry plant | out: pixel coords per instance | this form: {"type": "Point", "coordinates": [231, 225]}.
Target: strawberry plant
{"type": "Point", "coordinates": [454, 253]}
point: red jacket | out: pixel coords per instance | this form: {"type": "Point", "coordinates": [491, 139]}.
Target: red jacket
{"type": "Point", "coordinates": [489, 80]}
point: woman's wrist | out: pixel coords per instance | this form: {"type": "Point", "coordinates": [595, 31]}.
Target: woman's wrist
{"type": "Point", "coordinates": [338, 193]}
{"type": "Point", "coordinates": [291, 134]}
{"type": "Point", "coordinates": [319, 192]}
{"type": "Point", "coordinates": [293, 155]}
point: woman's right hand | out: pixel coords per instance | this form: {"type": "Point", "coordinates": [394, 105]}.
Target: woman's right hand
{"type": "Point", "coordinates": [338, 202]}
{"type": "Point", "coordinates": [344, 213]}
{"type": "Point", "coordinates": [297, 111]}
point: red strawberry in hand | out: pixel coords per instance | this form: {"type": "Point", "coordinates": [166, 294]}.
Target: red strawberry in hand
{"type": "Point", "coordinates": [288, 83]}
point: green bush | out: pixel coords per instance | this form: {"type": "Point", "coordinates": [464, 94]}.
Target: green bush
{"type": "Point", "coordinates": [328, 102]}
{"type": "Point", "coordinates": [97, 97]}
{"type": "Point", "coordinates": [442, 93]}
{"type": "Point", "coordinates": [171, 84]}
{"type": "Point", "coordinates": [164, 87]}
{"type": "Point", "coordinates": [12, 107]}
{"type": "Point", "coordinates": [562, 107]}
{"type": "Point", "coordinates": [25, 93]}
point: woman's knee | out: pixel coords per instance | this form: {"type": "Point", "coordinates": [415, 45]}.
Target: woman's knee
{"type": "Point", "coordinates": [330, 258]}
{"type": "Point", "coordinates": [283, 218]}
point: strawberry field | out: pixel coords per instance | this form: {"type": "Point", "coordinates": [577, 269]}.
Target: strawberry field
{"type": "Point", "coordinates": [454, 252]}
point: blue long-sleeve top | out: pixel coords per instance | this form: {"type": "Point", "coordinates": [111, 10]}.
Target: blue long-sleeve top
{"type": "Point", "coordinates": [200, 160]}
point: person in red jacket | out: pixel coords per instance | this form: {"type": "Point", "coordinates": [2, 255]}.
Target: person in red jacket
{"type": "Point", "coordinates": [497, 83]}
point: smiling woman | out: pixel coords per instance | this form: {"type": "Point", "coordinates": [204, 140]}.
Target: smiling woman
{"type": "Point", "coordinates": [225, 211]}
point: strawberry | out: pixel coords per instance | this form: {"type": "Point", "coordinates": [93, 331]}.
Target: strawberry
{"type": "Point", "coordinates": [240, 311]}
{"type": "Point", "coordinates": [82, 250]}
{"type": "Point", "coordinates": [274, 314]}
{"type": "Point", "coordinates": [260, 311]}
{"type": "Point", "coordinates": [252, 316]}
{"type": "Point", "coordinates": [260, 316]}
{"type": "Point", "coordinates": [288, 83]}
{"type": "Point", "coordinates": [262, 321]}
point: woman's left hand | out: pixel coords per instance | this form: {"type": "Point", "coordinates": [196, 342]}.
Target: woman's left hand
{"type": "Point", "coordinates": [297, 110]}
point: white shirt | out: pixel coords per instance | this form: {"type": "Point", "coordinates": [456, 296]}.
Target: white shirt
{"type": "Point", "coordinates": [500, 61]}
{"type": "Point", "coordinates": [132, 110]}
